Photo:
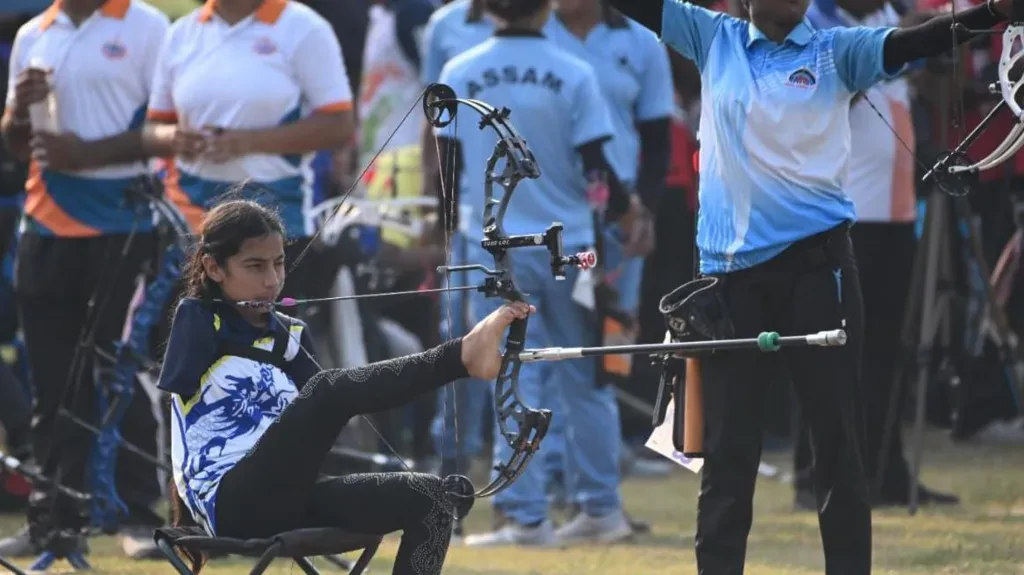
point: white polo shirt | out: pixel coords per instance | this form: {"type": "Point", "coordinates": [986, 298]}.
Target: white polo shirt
{"type": "Point", "coordinates": [274, 67]}
{"type": "Point", "coordinates": [102, 72]}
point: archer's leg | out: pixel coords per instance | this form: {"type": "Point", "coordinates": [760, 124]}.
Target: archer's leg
{"type": "Point", "coordinates": [827, 383]}
{"type": "Point", "coordinates": [734, 395]}
{"type": "Point", "coordinates": [382, 503]}
{"type": "Point", "coordinates": [289, 454]}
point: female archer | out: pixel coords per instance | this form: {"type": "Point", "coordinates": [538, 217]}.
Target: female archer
{"type": "Point", "coordinates": [773, 227]}
{"type": "Point", "coordinates": [254, 416]}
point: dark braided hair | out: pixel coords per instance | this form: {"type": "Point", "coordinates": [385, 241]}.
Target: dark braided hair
{"type": "Point", "coordinates": [223, 230]}
{"type": "Point", "coordinates": [510, 10]}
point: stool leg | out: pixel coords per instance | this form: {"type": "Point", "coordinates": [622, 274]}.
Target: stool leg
{"type": "Point", "coordinates": [364, 559]}
{"type": "Point", "coordinates": [267, 558]}
{"type": "Point", "coordinates": [306, 565]}
{"type": "Point", "coordinates": [176, 561]}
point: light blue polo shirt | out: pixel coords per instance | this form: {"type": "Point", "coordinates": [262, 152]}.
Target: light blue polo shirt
{"type": "Point", "coordinates": [556, 106]}
{"type": "Point", "coordinates": [774, 129]}
{"type": "Point", "coordinates": [449, 33]}
{"type": "Point", "coordinates": [635, 75]}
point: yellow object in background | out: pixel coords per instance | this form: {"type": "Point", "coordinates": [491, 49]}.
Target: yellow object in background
{"type": "Point", "coordinates": [396, 174]}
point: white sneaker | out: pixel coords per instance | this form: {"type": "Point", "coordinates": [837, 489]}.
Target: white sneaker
{"type": "Point", "coordinates": [587, 529]}
{"type": "Point", "coordinates": [513, 533]}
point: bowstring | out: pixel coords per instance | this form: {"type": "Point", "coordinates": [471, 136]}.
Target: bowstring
{"type": "Point", "coordinates": [449, 209]}
{"type": "Point", "coordinates": [309, 354]}
{"type": "Point", "coordinates": [355, 183]}
{"type": "Point", "coordinates": [909, 149]}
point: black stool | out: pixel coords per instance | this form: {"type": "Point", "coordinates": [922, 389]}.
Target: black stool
{"type": "Point", "coordinates": [296, 545]}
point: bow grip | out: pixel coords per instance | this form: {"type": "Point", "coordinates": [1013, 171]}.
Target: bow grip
{"type": "Point", "coordinates": [516, 336]}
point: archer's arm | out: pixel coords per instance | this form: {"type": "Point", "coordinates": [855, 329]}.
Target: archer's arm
{"type": "Point", "coordinates": [933, 37]}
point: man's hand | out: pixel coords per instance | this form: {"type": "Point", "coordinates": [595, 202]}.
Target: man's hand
{"type": "Point", "coordinates": [637, 226]}
{"type": "Point", "coordinates": [62, 152]}
{"type": "Point", "coordinates": [29, 88]}
{"type": "Point", "coordinates": [481, 346]}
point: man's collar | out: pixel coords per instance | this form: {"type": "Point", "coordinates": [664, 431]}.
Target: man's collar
{"type": "Point", "coordinates": [268, 12]}
{"type": "Point", "coordinates": [801, 35]}
{"type": "Point", "coordinates": [111, 9]}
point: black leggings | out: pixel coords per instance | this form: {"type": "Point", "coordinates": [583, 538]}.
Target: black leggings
{"type": "Point", "coordinates": [278, 487]}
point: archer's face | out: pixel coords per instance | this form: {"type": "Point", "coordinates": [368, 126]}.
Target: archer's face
{"type": "Point", "coordinates": [256, 272]}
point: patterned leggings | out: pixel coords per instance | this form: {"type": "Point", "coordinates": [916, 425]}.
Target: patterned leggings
{"type": "Point", "coordinates": [277, 486]}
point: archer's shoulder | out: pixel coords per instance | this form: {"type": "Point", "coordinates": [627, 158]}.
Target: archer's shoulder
{"type": "Point", "coordinates": [193, 313]}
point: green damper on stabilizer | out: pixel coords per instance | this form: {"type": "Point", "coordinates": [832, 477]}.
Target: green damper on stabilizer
{"type": "Point", "coordinates": [768, 341]}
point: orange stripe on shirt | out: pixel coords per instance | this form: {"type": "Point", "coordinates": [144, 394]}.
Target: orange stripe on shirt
{"type": "Point", "coordinates": [903, 196]}
{"type": "Point", "coordinates": [193, 214]}
{"type": "Point", "coordinates": [336, 107]}
{"type": "Point", "coordinates": [41, 206]}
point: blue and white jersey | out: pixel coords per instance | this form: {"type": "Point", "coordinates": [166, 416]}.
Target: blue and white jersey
{"type": "Point", "coordinates": [774, 129]}
{"type": "Point", "coordinates": [221, 403]}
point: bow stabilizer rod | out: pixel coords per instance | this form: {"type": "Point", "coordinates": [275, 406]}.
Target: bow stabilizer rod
{"type": "Point", "coordinates": [767, 342]}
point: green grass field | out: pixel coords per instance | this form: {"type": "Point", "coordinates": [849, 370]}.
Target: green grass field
{"type": "Point", "coordinates": [983, 536]}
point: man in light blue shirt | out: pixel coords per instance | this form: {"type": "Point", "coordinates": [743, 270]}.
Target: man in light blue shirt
{"type": "Point", "coordinates": [635, 77]}
{"type": "Point", "coordinates": [557, 107]}
{"type": "Point", "coordinates": [774, 229]}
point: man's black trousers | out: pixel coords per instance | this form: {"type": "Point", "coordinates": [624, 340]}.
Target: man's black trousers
{"type": "Point", "coordinates": [810, 287]}
{"type": "Point", "coordinates": [885, 256]}
{"type": "Point", "coordinates": [55, 278]}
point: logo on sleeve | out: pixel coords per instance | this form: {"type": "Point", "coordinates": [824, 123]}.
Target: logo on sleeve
{"type": "Point", "coordinates": [114, 50]}
{"type": "Point", "coordinates": [802, 78]}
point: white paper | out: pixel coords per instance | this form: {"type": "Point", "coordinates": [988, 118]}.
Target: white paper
{"type": "Point", "coordinates": [583, 290]}
{"type": "Point", "coordinates": [660, 442]}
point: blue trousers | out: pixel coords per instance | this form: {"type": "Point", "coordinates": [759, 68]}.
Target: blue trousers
{"type": "Point", "coordinates": [587, 414]}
